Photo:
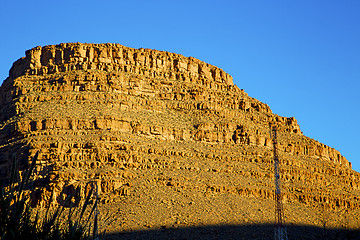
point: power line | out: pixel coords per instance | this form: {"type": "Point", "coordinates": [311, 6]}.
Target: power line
{"type": "Point", "coordinates": [280, 232]}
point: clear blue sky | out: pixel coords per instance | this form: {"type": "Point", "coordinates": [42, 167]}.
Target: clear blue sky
{"type": "Point", "coordinates": [301, 57]}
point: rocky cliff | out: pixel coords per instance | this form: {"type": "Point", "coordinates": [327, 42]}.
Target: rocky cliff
{"type": "Point", "coordinates": [168, 139]}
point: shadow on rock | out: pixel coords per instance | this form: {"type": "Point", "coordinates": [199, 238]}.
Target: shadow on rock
{"type": "Point", "coordinates": [227, 232]}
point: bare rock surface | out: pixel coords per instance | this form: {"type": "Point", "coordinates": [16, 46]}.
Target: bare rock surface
{"type": "Point", "coordinates": [169, 140]}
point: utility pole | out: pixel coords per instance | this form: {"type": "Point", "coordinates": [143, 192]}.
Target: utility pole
{"type": "Point", "coordinates": [280, 232]}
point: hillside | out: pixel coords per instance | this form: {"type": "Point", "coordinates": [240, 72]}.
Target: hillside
{"type": "Point", "coordinates": [170, 141]}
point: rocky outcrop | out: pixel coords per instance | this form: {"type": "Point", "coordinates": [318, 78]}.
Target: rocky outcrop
{"type": "Point", "coordinates": [146, 124]}
{"type": "Point", "coordinates": [115, 57]}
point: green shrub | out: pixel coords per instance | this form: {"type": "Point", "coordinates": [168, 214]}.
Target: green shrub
{"type": "Point", "coordinates": [18, 220]}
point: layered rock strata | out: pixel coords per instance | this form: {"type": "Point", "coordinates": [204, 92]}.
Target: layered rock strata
{"type": "Point", "coordinates": [160, 132]}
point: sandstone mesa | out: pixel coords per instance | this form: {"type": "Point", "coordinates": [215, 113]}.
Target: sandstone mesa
{"type": "Point", "coordinates": [168, 139]}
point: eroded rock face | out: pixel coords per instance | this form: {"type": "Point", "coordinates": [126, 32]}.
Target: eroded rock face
{"type": "Point", "coordinates": [153, 128]}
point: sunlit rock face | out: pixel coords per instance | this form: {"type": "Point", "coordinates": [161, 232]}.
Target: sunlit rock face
{"type": "Point", "coordinates": [169, 140]}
